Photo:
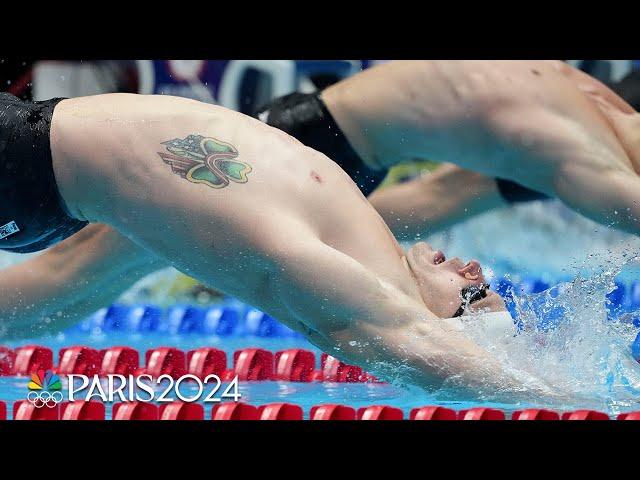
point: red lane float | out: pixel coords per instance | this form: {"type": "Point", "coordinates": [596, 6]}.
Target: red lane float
{"type": "Point", "coordinates": [205, 361]}
{"type": "Point", "coordinates": [3, 411]}
{"type": "Point", "coordinates": [134, 411]}
{"type": "Point", "coordinates": [25, 410]}
{"type": "Point", "coordinates": [7, 361]}
{"type": "Point", "coordinates": [181, 411]}
{"type": "Point", "coordinates": [333, 370]}
{"type": "Point", "coordinates": [332, 412]}
{"type": "Point", "coordinates": [234, 411]}
{"type": "Point", "coordinates": [585, 415]}
{"type": "Point", "coordinates": [535, 414]}
{"type": "Point", "coordinates": [31, 359]}
{"type": "Point", "coordinates": [119, 361]}
{"type": "Point", "coordinates": [165, 361]}
{"type": "Point", "coordinates": [481, 413]}
{"type": "Point", "coordinates": [253, 364]}
{"type": "Point", "coordinates": [81, 410]}
{"type": "Point", "coordinates": [80, 360]}
{"type": "Point", "coordinates": [629, 416]}
{"type": "Point", "coordinates": [294, 365]}
{"type": "Point", "coordinates": [228, 375]}
{"type": "Point", "coordinates": [380, 412]}
{"type": "Point", "coordinates": [432, 413]}
{"type": "Point", "coordinates": [280, 411]}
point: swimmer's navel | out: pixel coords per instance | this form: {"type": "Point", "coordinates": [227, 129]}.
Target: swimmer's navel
{"type": "Point", "coordinates": [315, 176]}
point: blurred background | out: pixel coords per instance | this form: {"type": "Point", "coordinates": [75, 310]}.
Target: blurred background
{"type": "Point", "coordinates": [542, 240]}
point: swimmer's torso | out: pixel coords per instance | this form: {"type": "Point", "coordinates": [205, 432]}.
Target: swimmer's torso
{"type": "Point", "coordinates": [150, 177]}
{"type": "Point", "coordinates": [488, 116]}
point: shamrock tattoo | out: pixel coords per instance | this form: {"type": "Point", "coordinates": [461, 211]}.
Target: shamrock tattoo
{"type": "Point", "coordinates": [206, 160]}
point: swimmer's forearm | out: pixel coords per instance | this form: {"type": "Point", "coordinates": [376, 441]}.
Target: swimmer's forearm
{"type": "Point", "coordinates": [414, 347]}
{"type": "Point", "coordinates": [435, 201]}
{"type": "Point", "coordinates": [426, 354]}
{"type": "Point", "coordinates": [66, 283]}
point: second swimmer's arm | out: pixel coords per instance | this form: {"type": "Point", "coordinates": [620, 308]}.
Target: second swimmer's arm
{"type": "Point", "coordinates": [435, 201]}
{"type": "Point", "coordinates": [71, 280]}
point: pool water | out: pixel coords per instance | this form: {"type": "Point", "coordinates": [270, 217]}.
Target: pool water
{"type": "Point", "coordinates": [568, 339]}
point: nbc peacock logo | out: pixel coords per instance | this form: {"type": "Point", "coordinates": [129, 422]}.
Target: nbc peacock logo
{"type": "Point", "coordinates": [44, 389]}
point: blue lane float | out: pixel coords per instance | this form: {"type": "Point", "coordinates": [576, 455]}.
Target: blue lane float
{"type": "Point", "coordinates": [183, 319]}
{"type": "Point", "coordinates": [136, 318]}
{"type": "Point", "coordinates": [622, 300]}
{"type": "Point", "coordinates": [260, 324]}
{"type": "Point", "coordinates": [220, 320]}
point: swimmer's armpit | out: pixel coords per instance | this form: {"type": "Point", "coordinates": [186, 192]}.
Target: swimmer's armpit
{"type": "Point", "coordinates": [206, 160]}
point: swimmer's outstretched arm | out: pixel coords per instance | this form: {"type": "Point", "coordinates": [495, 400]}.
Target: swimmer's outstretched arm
{"type": "Point", "coordinates": [71, 280]}
{"type": "Point", "coordinates": [435, 201]}
{"type": "Point", "coordinates": [92, 268]}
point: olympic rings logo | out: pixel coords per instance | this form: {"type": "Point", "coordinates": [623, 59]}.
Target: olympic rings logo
{"type": "Point", "coordinates": [44, 389]}
{"type": "Point", "coordinates": [44, 398]}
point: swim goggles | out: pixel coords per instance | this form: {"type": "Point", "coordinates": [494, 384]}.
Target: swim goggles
{"type": "Point", "coordinates": [470, 294]}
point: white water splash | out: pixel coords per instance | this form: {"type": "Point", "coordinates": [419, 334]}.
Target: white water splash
{"type": "Point", "coordinates": [566, 342]}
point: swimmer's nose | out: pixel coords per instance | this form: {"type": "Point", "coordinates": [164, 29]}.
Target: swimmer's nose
{"type": "Point", "coordinates": [472, 271]}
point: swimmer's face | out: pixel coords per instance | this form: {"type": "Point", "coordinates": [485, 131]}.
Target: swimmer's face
{"type": "Point", "coordinates": [441, 280]}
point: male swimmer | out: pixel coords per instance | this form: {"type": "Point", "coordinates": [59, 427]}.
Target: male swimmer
{"type": "Point", "coordinates": [444, 110]}
{"type": "Point", "coordinates": [420, 128]}
{"type": "Point", "coordinates": [251, 211]}
{"type": "Point", "coordinates": [537, 123]}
